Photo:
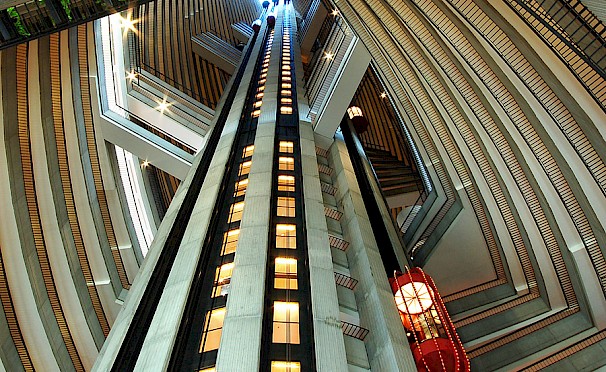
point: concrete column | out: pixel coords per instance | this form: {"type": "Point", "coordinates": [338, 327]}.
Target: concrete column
{"type": "Point", "coordinates": [386, 343]}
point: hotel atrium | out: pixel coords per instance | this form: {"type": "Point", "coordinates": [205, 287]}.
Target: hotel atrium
{"type": "Point", "coordinates": [206, 185]}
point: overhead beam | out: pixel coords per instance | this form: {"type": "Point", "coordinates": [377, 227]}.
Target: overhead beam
{"type": "Point", "coordinates": [343, 88]}
{"type": "Point", "coordinates": [216, 51]}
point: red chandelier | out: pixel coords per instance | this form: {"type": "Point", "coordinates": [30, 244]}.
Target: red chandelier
{"type": "Point", "coordinates": [433, 339]}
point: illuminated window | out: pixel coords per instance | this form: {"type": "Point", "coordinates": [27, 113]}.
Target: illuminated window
{"type": "Point", "coordinates": [286, 236]}
{"type": "Point", "coordinates": [277, 366]}
{"type": "Point", "coordinates": [286, 101]}
{"type": "Point", "coordinates": [259, 95]}
{"type": "Point", "coordinates": [286, 78]}
{"type": "Point", "coordinates": [258, 104]}
{"type": "Point", "coordinates": [286, 146]}
{"type": "Point", "coordinates": [286, 183]}
{"type": "Point", "coordinates": [256, 113]}
{"type": "Point", "coordinates": [286, 163]}
{"type": "Point", "coordinates": [285, 110]}
{"type": "Point", "coordinates": [286, 85]}
{"type": "Point", "coordinates": [244, 168]}
{"type": "Point", "coordinates": [235, 212]}
{"type": "Point", "coordinates": [286, 323]}
{"type": "Point", "coordinates": [262, 81]}
{"type": "Point", "coordinates": [222, 279]}
{"type": "Point", "coordinates": [264, 70]}
{"type": "Point", "coordinates": [286, 92]}
{"type": "Point", "coordinates": [230, 241]}
{"type": "Point", "coordinates": [286, 273]}
{"type": "Point", "coordinates": [248, 151]}
{"type": "Point", "coordinates": [286, 73]}
{"type": "Point", "coordinates": [286, 67]}
{"type": "Point", "coordinates": [212, 369]}
{"type": "Point", "coordinates": [261, 89]}
{"type": "Point", "coordinates": [286, 206]}
{"type": "Point", "coordinates": [213, 326]}
{"type": "Point", "coordinates": [241, 187]}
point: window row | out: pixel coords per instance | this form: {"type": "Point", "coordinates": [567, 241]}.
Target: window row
{"type": "Point", "coordinates": [286, 87]}
{"type": "Point", "coordinates": [285, 326]}
{"type": "Point", "coordinates": [263, 77]}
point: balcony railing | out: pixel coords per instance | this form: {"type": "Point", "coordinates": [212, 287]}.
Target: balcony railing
{"type": "Point", "coordinates": [345, 281]}
{"type": "Point", "coordinates": [354, 331]}
{"type": "Point", "coordinates": [30, 19]}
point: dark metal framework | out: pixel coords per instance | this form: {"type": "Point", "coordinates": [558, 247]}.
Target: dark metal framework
{"type": "Point", "coordinates": [287, 129]}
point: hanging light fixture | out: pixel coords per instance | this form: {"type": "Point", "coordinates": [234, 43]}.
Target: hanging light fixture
{"type": "Point", "coordinates": [271, 19]}
{"type": "Point", "coordinates": [432, 337]}
{"type": "Point", "coordinates": [256, 25]}
{"type": "Point", "coordinates": [359, 121]}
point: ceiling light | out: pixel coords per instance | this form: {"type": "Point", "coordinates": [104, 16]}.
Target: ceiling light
{"type": "Point", "coordinates": [163, 106]}
{"type": "Point", "coordinates": [128, 23]}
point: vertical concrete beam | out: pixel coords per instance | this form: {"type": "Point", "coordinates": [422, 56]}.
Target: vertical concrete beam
{"type": "Point", "coordinates": [386, 343]}
{"type": "Point", "coordinates": [328, 336]}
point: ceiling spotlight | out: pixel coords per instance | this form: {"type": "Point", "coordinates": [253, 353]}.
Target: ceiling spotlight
{"type": "Point", "coordinates": [163, 106]}
{"type": "Point", "coordinates": [328, 56]}
{"type": "Point", "coordinates": [383, 95]}
{"type": "Point", "coordinates": [128, 23]}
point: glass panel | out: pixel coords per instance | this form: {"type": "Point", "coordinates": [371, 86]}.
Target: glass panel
{"type": "Point", "coordinates": [286, 207]}
{"type": "Point", "coordinates": [248, 150]}
{"type": "Point", "coordinates": [277, 366]}
{"type": "Point", "coordinates": [241, 187]}
{"type": "Point", "coordinates": [286, 163]}
{"type": "Point", "coordinates": [286, 236]}
{"type": "Point", "coordinates": [286, 322]}
{"type": "Point", "coordinates": [286, 183]}
{"type": "Point", "coordinates": [230, 241]}
{"type": "Point", "coordinates": [213, 326]}
{"type": "Point", "coordinates": [222, 279]}
{"type": "Point", "coordinates": [236, 212]}
{"type": "Point", "coordinates": [286, 273]}
{"type": "Point", "coordinates": [286, 146]}
{"type": "Point", "coordinates": [244, 168]}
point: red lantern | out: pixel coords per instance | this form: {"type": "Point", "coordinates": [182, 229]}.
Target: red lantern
{"type": "Point", "coordinates": [433, 339]}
